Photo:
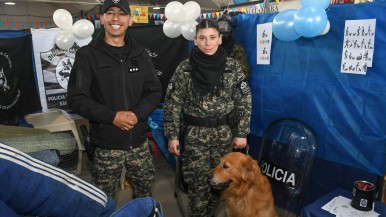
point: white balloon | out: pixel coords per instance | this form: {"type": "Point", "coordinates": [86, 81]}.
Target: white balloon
{"type": "Point", "coordinates": [65, 39]}
{"type": "Point", "coordinates": [326, 28]}
{"type": "Point", "coordinates": [62, 19]}
{"type": "Point", "coordinates": [172, 29]}
{"type": "Point", "coordinates": [192, 10]}
{"type": "Point", "coordinates": [83, 28]}
{"type": "Point", "coordinates": [174, 11]}
{"type": "Point", "coordinates": [82, 41]}
{"type": "Point", "coordinates": [188, 29]}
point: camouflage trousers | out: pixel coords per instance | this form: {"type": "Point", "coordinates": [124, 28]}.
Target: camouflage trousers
{"type": "Point", "coordinates": [108, 164]}
{"type": "Point", "coordinates": [203, 149]}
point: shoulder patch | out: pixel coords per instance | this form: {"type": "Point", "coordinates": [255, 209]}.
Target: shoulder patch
{"type": "Point", "coordinates": [169, 88]}
{"type": "Point", "coordinates": [244, 87]}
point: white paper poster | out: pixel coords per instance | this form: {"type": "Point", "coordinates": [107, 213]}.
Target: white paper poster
{"type": "Point", "coordinates": [358, 46]}
{"type": "Point", "coordinates": [341, 206]}
{"type": "Point", "coordinates": [53, 66]}
{"type": "Point", "coordinates": [97, 24]}
{"type": "Point", "coordinates": [264, 42]}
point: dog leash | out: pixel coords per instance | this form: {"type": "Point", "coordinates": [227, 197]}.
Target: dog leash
{"type": "Point", "coordinates": [242, 150]}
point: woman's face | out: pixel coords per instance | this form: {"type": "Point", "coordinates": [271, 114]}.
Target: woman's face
{"type": "Point", "coordinates": [208, 40]}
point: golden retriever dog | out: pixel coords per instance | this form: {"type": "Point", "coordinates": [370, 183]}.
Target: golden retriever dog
{"type": "Point", "coordinates": [247, 192]}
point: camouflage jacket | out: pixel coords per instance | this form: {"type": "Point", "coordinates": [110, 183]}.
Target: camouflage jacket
{"type": "Point", "coordinates": [232, 93]}
{"type": "Point", "coordinates": [238, 53]}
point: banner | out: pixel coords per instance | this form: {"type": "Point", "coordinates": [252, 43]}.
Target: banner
{"type": "Point", "coordinates": [165, 52]}
{"type": "Point", "coordinates": [18, 95]}
{"type": "Point", "coordinates": [139, 13]}
{"type": "Point", "coordinates": [53, 67]}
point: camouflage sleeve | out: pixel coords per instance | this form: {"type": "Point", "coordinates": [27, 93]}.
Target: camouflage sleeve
{"type": "Point", "coordinates": [242, 98]}
{"type": "Point", "coordinates": [174, 101]}
{"type": "Point", "coordinates": [241, 58]}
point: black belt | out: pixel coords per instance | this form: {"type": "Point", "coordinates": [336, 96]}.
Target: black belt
{"type": "Point", "coordinates": [229, 119]}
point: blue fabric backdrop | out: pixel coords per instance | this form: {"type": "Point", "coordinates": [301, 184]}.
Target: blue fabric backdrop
{"type": "Point", "coordinates": [346, 111]}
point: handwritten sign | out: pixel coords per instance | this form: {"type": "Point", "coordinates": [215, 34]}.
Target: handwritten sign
{"type": "Point", "coordinates": [264, 42]}
{"type": "Point", "coordinates": [358, 46]}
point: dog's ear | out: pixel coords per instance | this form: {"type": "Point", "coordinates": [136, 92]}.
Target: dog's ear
{"type": "Point", "coordinates": [251, 170]}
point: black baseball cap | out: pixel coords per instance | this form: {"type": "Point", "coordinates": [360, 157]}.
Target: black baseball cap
{"type": "Point", "coordinates": [123, 4]}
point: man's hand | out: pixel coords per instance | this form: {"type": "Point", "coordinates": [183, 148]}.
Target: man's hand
{"type": "Point", "coordinates": [239, 143]}
{"type": "Point", "coordinates": [132, 118]}
{"type": "Point", "coordinates": [125, 120]}
{"type": "Point", "coordinates": [173, 146]}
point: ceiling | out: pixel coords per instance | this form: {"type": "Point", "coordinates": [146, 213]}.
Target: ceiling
{"type": "Point", "coordinates": [205, 5]}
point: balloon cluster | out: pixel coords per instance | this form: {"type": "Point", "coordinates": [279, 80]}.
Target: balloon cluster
{"type": "Point", "coordinates": [181, 19]}
{"type": "Point", "coordinates": [81, 29]}
{"type": "Point", "coordinates": [308, 21]}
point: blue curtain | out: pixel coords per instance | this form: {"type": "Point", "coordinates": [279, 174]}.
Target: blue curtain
{"type": "Point", "coordinates": [303, 81]}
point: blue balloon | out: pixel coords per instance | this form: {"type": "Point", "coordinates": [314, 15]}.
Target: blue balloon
{"type": "Point", "coordinates": [282, 26]}
{"type": "Point", "coordinates": [322, 3]}
{"type": "Point", "coordinates": [239, 1]}
{"type": "Point", "coordinates": [310, 21]}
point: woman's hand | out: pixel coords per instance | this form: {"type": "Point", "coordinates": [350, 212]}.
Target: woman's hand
{"type": "Point", "coordinates": [239, 143]}
{"type": "Point", "coordinates": [173, 146]}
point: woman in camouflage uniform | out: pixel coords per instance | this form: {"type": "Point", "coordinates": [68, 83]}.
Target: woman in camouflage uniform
{"type": "Point", "coordinates": [213, 93]}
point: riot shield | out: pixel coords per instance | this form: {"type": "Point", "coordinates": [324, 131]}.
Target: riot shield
{"type": "Point", "coordinates": [287, 154]}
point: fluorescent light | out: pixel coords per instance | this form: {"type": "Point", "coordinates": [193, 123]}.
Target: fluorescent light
{"type": "Point", "coordinates": [9, 3]}
{"type": "Point", "coordinates": [156, 5]}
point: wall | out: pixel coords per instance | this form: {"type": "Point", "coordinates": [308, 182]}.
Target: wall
{"type": "Point", "coordinates": [289, 4]}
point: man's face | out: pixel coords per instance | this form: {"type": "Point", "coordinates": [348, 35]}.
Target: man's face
{"type": "Point", "coordinates": [116, 22]}
{"type": "Point", "coordinates": [208, 40]}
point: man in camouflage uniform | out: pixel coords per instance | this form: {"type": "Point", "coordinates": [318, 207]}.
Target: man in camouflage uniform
{"type": "Point", "coordinates": [216, 122]}
{"type": "Point", "coordinates": [114, 85]}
